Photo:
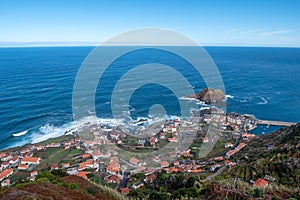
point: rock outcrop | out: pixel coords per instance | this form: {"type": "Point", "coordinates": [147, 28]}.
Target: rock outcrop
{"type": "Point", "coordinates": [209, 96]}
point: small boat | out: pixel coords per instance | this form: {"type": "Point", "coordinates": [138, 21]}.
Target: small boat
{"type": "Point", "coordinates": [20, 133]}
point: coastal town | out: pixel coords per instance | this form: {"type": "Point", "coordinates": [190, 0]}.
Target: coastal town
{"type": "Point", "coordinates": [96, 153]}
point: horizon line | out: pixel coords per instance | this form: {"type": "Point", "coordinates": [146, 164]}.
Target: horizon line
{"type": "Point", "coordinates": [95, 44]}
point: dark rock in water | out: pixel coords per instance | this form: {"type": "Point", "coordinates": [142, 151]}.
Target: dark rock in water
{"type": "Point", "coordinates": [140, 121]}
{"type": "Point", "coordinates": [210, 96]}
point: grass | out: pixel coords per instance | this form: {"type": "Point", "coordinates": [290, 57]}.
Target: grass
{"type": "Point", "coordinates": [57, 140]}
{"type": "Point", "coordinates": [76, 152]}
{"type": "Point", "coordinates": [50, 156]}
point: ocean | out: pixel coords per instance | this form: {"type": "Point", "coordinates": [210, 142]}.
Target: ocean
{"type": "Point", "coordinates": [36, 85]}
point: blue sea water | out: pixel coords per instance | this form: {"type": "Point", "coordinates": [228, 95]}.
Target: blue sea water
{"type": "Point", "coordinates": [36, 86]}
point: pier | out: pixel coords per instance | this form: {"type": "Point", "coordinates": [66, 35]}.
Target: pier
{"type": "Point", "coordinates": [275, 123]}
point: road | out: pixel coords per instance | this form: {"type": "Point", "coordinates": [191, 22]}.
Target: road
{"type": "Point", "coordinates": [210, 177]}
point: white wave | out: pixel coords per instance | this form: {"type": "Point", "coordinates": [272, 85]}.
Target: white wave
{"type": "Point", "coordinates": [188, 99]}
{"type": "Point", "coordinates": [243, 101]}
{"type": "Point", "coordinates": [264, 101]}
{"type": "Point", "coordinates": [229, 96]}
{"type": "Point", "coordinates": [20, 133]}
{"type": "Point", "coordinates": [50, 131]}
{"type": "Point", "coordinates": [204, 108]}
{"type": "Point", "coordinates": [202, 103]}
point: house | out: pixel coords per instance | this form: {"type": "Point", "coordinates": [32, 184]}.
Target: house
{"type": "Point", "coordinates": [6, 173]}
{"type": "Point", "coordinates": [6, 182]}
{"type": "Point", "coordinates": [113, 167]}
{"type": "Point", "coordinates": [162, 136]}
{"type": "Point", "coordinates": [220, 158]}
{"type": "Point", "coordinates": [53, 145]}
{"type": "Point", "coordinates": [114, 135]}
{"type": "Point", "coordinates": [176, 163]}
{"type": "Point", "coordinates": [54, 166]}
{"type": "Point", "coordinates": [14, 160]}
{"type": "Point", "coordinates": [67, 147]}
{"type": "Point", "coordinates": [196, 170]}
{"type": "Point", "coordinates": [137, 185]}
{"type": "Point", "coordinates": [172, 139]}
{"type": "Point", "coordinates": [149, 171]}
{"type": "Point", "coordinates": [231, 152]}
{"type": "Point", "coordinates": [260, 183]}
{"type": "Point", "coordinates": [205, 140]}
{"type": "Point", "coordinates": [85, 156]}
{"type": "Point", "coordinates": [173, 170]}
{"type": "Point", "coordinates": [25, 150]}
{"type": "Point", "coordinates": [22, 166]}
{"type": "Point", "coordinates": [229, 163]}
{"type": "Point", "coordinates": [89, 163]}
{"type": "Point", "coordinates": [248, 135]}
{"type": "Point", "coordinates": [5, 157]}
{"type": "Point", "coordinates": [153, 140]}
{"type": "Point", "coordinates": [113, 179]}
{"type": "Point", "coordinates": [124, 190]}
{"type": "Point", "coordinates": [141, 142]}
{"type": "Point", "coordinates": [150, 178]}
{"type": "Point", "coordinates": [186, 154]}
{"type": "Point", "coordinates": [31, 160]}
{"type": "Point", "coordinates": [88, 143]}
{"type": "Point", "coordinates": [228, 145]}
{"type": "Point", "coordinates": [72, 171]}
{"type": "Point", "coordinates": [119, 142]}
{"type": "Point", "coordinates": [39, 148]}
{"type": "Point", "coordinates": [141, 168]}
{"type": "Point", "coordinates": [28, 154]}
{"type": "Point", "coordinates": [83, 174]}
{"type": "Point", "coordinates": [156, 159]}
{"type": "Point", "coordinates": [65, 165]}
{"type": "Point", "coordinates": [134, 161]}
{"type": "Point", "coordinates": [96, 154]}
{"type": "Point", "coordinates": [164, 164]}
{"type": "Point", "coordinates": [34, 173]}
{"type": "Point", "coordinates": [5, 165]}
{"type": "Point", "coordinates": [241, 145]}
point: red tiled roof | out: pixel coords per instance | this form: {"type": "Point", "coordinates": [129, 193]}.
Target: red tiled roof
{"type": "Point", "coordinates": [241, 145]}
{"type": "Point", "coordinates": [260, 183]}
{"type": "Point", "coordinates": [124, 190]}
{"type": "Point", "coordinates": [227, 162]}
{"type": "Point", "coordinates": [87, 155]}
{"type": "Point", "coordinates": [33, 172]}
{"type": "Point", "coordinates": [5, 163]}
{"type": "Point", "coordinates": [164, 164]}
{"type": "Point", "coordinates": [14, 159]}
{"type": "Point", "coordinates": [54, 166]}
{"type": "Point", "coordinates": [83, 174]}
{"type": "Point", "coordinates": [5, 173]}
{"type": "Point", "coordinates": [134, 161]}
{"type": "Point", "coordinates": [30, 159]}
{"type": "Point", "coordinates": [219, 158]}
{"type": "Point", "coordinates": [114, 178]}
{"type": "Point", "coordinates": [21, 166]}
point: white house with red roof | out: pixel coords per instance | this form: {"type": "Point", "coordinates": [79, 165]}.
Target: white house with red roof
{"type": "Point", "coordinates": [31, 160]}
{"type": "Point", "coordinates": [14, 160]}
{"type": "Point", "coordinates": [6, 173]}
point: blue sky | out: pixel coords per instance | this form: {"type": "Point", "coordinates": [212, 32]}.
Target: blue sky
{"type": "Point", "coordinates": [208, 22]}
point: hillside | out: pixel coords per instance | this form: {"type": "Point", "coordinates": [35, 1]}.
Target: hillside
{"type": "Point", "coordinates": [273, 156]}
{"type": "Point", "coordinates": [58, 187]}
